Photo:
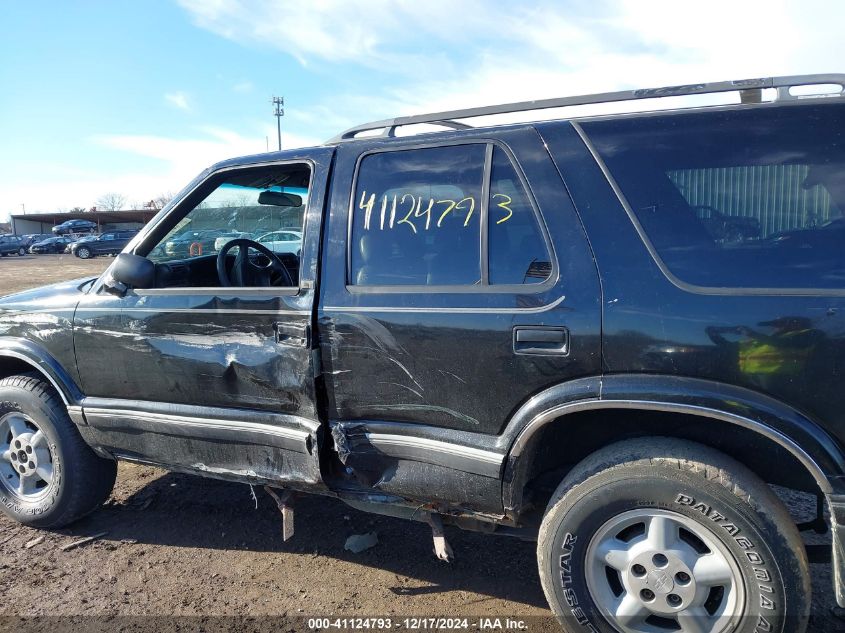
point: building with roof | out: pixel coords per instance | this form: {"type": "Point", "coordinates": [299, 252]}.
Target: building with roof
{"type": "Point", "coordinates": [27, 223]}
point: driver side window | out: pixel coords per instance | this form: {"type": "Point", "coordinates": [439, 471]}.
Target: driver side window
{"type": "Point", "coordinates": [243, 228]}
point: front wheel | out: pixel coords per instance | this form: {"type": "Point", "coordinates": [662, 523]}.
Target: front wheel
{"type": "Point", "coordinates": [658, 535]}
{"type": "Point", "coordinates": [83, 253]}
{"type": "Point", "coordinates": [49, 476]}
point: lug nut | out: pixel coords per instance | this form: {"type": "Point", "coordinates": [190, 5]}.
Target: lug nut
{"type": "Point", "coordinates": [660, 560]}
{"type": "Point", "coordinates": [682, 578]}
{"type": "Point", "coordinates": [647, 595]}
{"type": "Point", "coordinates": [31, 465]}
{"type": "Point", "coordinates": [673, 600]}
{"type": "Point", "coordinates": [29, 450]}
{"type": "Point", "coordinates": [14, 457]}
{"type": "Point", "coordinates": [638, 570]}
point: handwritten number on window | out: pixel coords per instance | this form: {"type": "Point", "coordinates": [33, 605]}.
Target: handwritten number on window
{"type": "Point", "coordinates": [367, 207]}
{"type": "Point", "coordinates": [405, 220]}
{"type": "Point", "coordinates": [505, 204]}
{"type": "Point", "coordinates": [450, 204]}
{"type": "Point", "coordinates": [411, 207]}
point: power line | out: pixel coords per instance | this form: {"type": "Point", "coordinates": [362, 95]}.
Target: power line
{"type": "Point", "coordinates": [279, 112]}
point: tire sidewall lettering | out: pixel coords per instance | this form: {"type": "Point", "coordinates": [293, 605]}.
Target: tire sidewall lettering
{"type": "Point", "coordinates": [15, 504]}
{"type": "Point", "coordinates": [765, 597]}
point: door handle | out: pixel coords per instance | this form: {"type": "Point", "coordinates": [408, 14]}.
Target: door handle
{"type": "Point", "coordinates": [541, 340]}
{"type": "Point", "coordinates": [294, 335]}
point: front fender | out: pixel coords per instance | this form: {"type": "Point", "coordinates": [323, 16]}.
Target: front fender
{"type": "Point", "coordinates": [43, 362]}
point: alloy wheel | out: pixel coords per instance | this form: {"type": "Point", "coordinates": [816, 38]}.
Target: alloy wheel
{"type": "Point", "coordinates": [655, 571]}
{"type": "Point", "coordinates": [26, 461]}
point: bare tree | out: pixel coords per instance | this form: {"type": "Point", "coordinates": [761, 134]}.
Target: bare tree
{"type": "Point", "coordinates": [111, 202]}
{"type": "Point", "coordinates": [161, 200]}
{"type": "Point", "coordinates": [78, 210]}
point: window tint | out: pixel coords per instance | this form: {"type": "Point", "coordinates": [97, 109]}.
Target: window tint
{"type": "Point", "coordinates": [737, 198]}
{"type": "Point", "coordinates": [416, 217]}
{"type": "Point", "coordinates": [517, 251]}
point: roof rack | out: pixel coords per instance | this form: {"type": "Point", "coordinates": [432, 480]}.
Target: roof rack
{"type": "Point", "coordinates": [751, 91]}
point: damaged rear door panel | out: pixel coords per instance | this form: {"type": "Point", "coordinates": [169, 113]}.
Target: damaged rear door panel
{"type": "Point", "coordinates": [430, 342]}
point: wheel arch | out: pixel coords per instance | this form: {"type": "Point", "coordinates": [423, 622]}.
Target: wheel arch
{"type": "Point", "coordinates": [18, 355]}
{"type": "Point", "coordinates": [752, 427]}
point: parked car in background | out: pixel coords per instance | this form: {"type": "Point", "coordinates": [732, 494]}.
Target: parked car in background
{"type": "Point", "coordinates": [221, 241]}
{"type": "Point", "coordinates": [11, 245]}
{"type": "Point", "coordinates": [75, 226]}
{"type": "Point", "coordinates": [193, 243]}
{"type": "Point", "coordinates": [110, 243]}
{"type": "Point", "coordinates": [287, 241]}
{"type": "Point", "coordinates": [84, 238]}
{"type": "Point", "coordinates": [31, 238]}
{"type": "Point", "coordinates": [50, 245]}
{"type": "Point", "coordinates": [727, 229]}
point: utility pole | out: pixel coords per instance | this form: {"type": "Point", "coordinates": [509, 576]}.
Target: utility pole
{"type": "Point", "coordinates": [279, 112]}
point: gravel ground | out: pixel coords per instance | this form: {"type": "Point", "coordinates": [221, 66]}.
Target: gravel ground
{"type": "Point", "coordinates": [178, 545]}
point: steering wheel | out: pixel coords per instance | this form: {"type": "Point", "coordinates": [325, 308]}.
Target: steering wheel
{"type": "Point", "coordinates": [246, 272]}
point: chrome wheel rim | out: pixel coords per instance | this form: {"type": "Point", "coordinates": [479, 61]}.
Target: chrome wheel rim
{"type": "Point", "coordinates": [26, 461]}
{"type": "Point", "coordinates": [655, 571]}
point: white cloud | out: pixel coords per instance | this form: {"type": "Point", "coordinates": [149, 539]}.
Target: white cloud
{"type": "Point", "coordinates": [178, 99]}
{"type": "Point", "coordinates": [442, 55]}
{"type": "Point", "coordinates": [180, 160]}
{"type": "Point", "coordinates": [437, 55]}
{"type": "Point", "coordinates": [336, 30]}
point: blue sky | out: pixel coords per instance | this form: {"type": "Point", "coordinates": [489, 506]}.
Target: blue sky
{"type": "Point", "coordinates": [137, 97]}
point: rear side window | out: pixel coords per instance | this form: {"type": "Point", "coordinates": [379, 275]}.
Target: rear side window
{"type": "Point", "coordinates": [749, 198]}
{"type": "Point", "coordinates": [417, 219]}
{"type": "Point", "coordinates": [517, 250]}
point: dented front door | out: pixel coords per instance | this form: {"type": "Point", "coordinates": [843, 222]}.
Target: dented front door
{"type": "Point", "coordinates": [212, 380]}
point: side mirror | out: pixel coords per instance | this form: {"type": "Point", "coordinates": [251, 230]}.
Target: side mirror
{"type": "Point", "coordinates": [130, 271]}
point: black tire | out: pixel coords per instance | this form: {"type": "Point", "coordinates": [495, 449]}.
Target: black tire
{"type": "Point", "coordinates": [81, 481]}
{"type": "Point", "coordinates": [83, 252]}
{"type": "Point", "coordinates": [21, 251]}
{"type": "Point", "coordinates": [685, 484]}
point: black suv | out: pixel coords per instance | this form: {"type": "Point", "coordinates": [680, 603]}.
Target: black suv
{"type": "Point", "coordinates": [109, 243]}
{"type": "Point", "coordinates": [11, 245]}
{"type": "Point", "coordinates": [75, 226]}
{"type": "Point", "coordinates": [526, 329]}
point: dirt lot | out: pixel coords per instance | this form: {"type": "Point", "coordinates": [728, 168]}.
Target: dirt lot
{"type": "Point", "coordinates": [184, 546]}
{"type": "Point", "coordinates": [29, 271]}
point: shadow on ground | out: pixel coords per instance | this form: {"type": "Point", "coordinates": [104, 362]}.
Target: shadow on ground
{"type": "Point", "coordinates": [177, 510]}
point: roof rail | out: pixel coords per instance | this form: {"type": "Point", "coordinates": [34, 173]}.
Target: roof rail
{"type": "Point", "coordinates": [750, 92]}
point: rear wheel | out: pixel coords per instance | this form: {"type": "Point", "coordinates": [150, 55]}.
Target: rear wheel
{"type": "Point", "coordinates": [49, 477]}
{"type": "Point", "coordinates": [21, 251]}
{"type": "Point", "coordinates": [660, 535]}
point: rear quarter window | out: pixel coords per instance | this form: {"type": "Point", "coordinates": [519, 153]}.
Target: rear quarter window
{"type": "Point", "coordinates": [742, 198]}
